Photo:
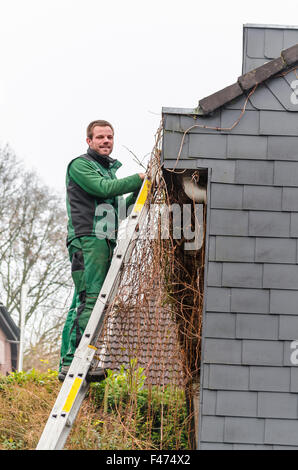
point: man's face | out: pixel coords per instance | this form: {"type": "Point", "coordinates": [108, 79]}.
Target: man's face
{"type": "Point", "coordinates": [102, 140]}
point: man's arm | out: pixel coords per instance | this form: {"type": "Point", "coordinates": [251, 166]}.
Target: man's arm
{"type": "Point", "coordinates": [83, 173]}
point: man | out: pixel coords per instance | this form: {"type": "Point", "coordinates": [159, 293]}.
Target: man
{"type": "Point", "coordinates": [94, 199]}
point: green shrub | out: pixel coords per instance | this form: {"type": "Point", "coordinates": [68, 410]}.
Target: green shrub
{"type": "Point", "coordinates": [119, 413]}
{"type": "Point", "coordinates": [154, 414]}
{"type": "Point", "coordinates": [49, 378]}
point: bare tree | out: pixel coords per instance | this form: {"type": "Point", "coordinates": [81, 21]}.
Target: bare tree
{"type": "Point", "coordinates": [32, 252]}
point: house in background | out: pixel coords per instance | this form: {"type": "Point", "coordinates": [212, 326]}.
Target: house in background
{"type": "Point", "coordinates": [245, 137]}
{"type": "Point", "coordinates": [9, 338]}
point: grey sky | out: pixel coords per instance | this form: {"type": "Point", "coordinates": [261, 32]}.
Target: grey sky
{"type": "Point", "coordinates": [67, 62]}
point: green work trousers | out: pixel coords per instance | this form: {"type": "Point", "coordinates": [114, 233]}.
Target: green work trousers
{"type": "Point", "coordinates": [90, 261]}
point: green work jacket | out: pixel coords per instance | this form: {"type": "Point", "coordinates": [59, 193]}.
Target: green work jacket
{"type": "Point", "coordinates": [94, 199]}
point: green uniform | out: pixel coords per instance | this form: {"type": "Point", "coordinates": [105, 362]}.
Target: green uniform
{"type": "Point", "coordinates": [95, 206]}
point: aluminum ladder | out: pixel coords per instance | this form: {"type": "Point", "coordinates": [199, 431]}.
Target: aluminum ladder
{"type": "Point", "coordinates": [75, 385]}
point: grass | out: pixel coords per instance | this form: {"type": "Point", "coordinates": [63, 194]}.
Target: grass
{"type": "Point", "coordinates": [119, 413]}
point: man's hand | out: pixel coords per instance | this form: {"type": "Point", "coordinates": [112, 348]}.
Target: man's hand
{"type": "Point", "coordinates": [142, 176]}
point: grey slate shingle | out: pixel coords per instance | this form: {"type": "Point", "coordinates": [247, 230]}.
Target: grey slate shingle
{"type": "Point", "coordinates": [211, 248]}
{"type": "Point", "coordinates": [269, 379]}
{"type": "Point", "coordinates": [262, 198]}
{"type": "Point", "coordinates": [254, 172]}
{"type": "Point", "coordinates": [226, 196]}
{"type": "Point", "coordinates": [250, 300]}
{"type": "Point", "coordinates": [257, 352]}
{"type": "Point", "coordinates": [264, 99]}
{"type": "Point", "coordinates": [277, 405]}
{"type": "Point", "coordinates": [257, 326]}
{"type": "Point", "coordinates": [281, 431]}
{"type": "Point", "coordinates": [214, 274]}
{"type": "Point", "coordinates": [248, 125]}
{"type": "Point", "coordinates": [294, 379]}
{"type": "Point", "coordinates": [286, 173]}
{"type": "Point", "coordinates": [288, 327]}
{"type": "Point", "coordinates": [209, 404]}
{"type": "Point", "coordinates": [235, 403]}
{"type": "Point", "coordinates": [255, 42]}
{"type": "Point", "coordinates": [212, 428]}
{"type": "Point", "coordinates": [242, 275]}
{"type": "Point", "coordinates": [207, 145]}
{"type": "Point", "coordinates": [244, 430]}
{"type": "Point", "coordinates": [283, 301]}
{"type": "Point", "coordinates": [269, 224]}
{"type": "Point", "coordinates": [278, 123]}
{"type": "Point", "coordinates": [234, 249]}
{"type": "Point", "coordinates": [171, 145]}
{"type": "Point", "coordinates": [273, 42]}
{"type": "Point", "coordinates": [275, 250]}
{"type": "Point", "coordinates": [282, 148]}
{"type": "Point", "coordinates": [294, 225]}
{"type": "Point", "coordinates": [205, 376]}
{"type": "Point", "coordinates": [228, 377]}
{"type": "Point", "coordinates": [228, 222]}
{"type": "Point", "coordinates": [222, 351]}
{"type": "Point", "coordinates": [220, 325]}
{"type": "Point", "coordinates": [290, 199]}
{"type": "Point", "coordinates": [279, 276]}
{"type": "Point", "coordinates": [196, 123]}
{"type": "Point", "coordinates": [218, 299]}
{"type": "Point", "coordinates": [247, 147]}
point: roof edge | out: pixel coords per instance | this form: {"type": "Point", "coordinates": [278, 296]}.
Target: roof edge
{"type": "Point", "coordinates": [269, 26]}
{"type": "Point", "coordinates": [11, 329]}
{"type": "Point", "coordinates": [191, 111]}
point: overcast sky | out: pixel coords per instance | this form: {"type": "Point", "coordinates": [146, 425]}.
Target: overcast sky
{"type": "Point", "coordinates": [65, 63]}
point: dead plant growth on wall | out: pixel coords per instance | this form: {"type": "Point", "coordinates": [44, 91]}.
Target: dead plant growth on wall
{"type": "Point", "coordinates": [156, 315]}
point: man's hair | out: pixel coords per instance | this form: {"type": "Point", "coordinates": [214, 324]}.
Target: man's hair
{"type": "Point", "coordinates": [99, 122]}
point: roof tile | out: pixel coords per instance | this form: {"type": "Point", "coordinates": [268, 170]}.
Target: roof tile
{"type": "Point", "coordinates": [218, 99]}
{"type": "Point", "coordinates": [262, 73]}
{"type": "Point", "coordinates": [149, 334]}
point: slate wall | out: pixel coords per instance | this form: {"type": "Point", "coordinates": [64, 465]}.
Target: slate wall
{"type": "Point", "coordinates": [249, 386]}
{"type": "Point", "coordinates": [264, 42]}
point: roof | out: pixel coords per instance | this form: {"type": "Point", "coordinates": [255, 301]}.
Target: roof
{"type": "Point", "coordinates": [246, 82]}
{"type": "Point", "coordinates": [8, 325]}
{"type": "Point", "coordinates": [149, 334]}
